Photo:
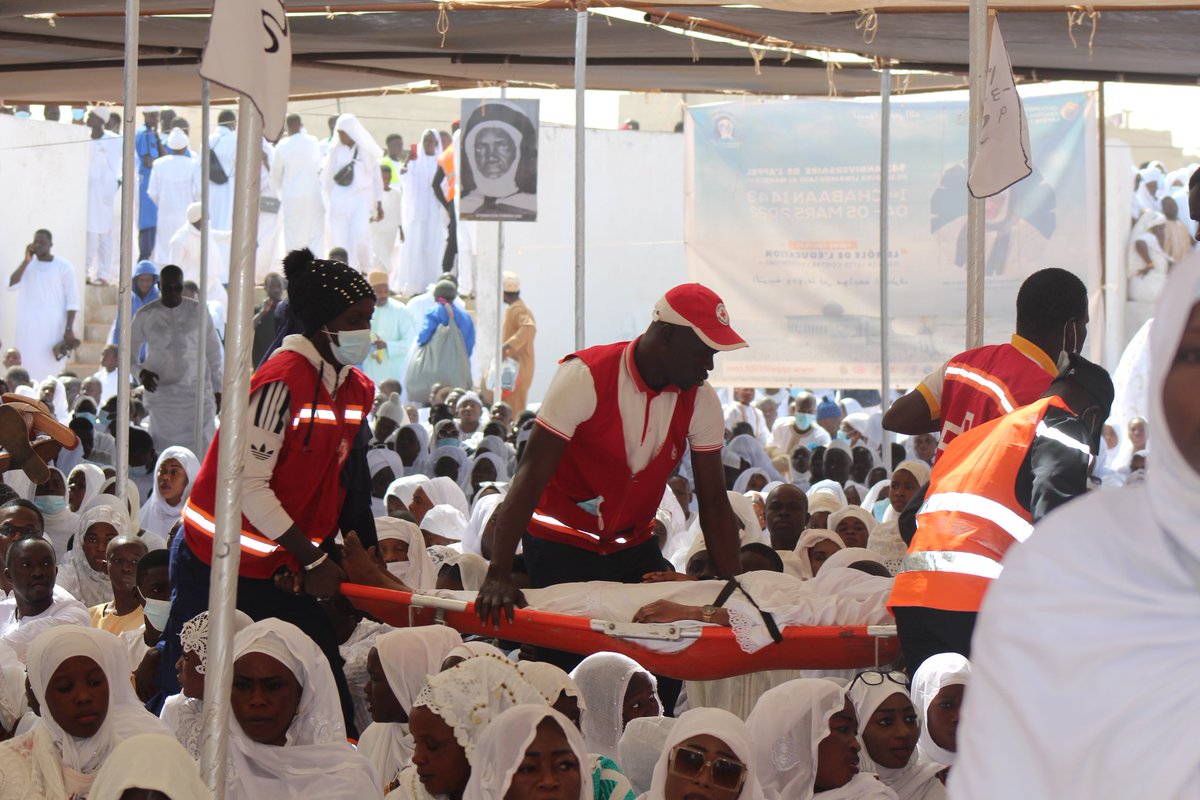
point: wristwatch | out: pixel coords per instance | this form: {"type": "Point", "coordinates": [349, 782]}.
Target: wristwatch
{"type": "Point", "coordinates": [707, 613]}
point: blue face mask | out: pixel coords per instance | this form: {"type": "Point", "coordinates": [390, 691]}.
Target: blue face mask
{"type": "Point", "coordinates": [447, 442]}
{"type": "Point", "coordinates": [351, 347]}
{"type": "Point", "coordinates": [845, 437]}
{"type": "Point", "coordinates": [805, 421]}
{"type": "Point", "coordinates": [102, 419]}
{"type": "Point", "coordinates": [49, 504]}
{"type": "Point", "coordinates": [156, 612]}
{"type": "Point", "coordinates": [76, 113]}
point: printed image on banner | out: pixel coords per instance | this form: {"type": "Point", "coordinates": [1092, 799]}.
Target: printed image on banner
{"type": "Point", "coordinates": [783, 222]}
{"type": "Point", "coordinates": [497, 163]}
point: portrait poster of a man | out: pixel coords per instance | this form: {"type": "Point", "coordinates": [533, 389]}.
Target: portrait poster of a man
{"type": "Point", "coordinates": [498, 168]}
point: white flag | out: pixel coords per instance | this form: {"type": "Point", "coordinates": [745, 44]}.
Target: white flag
{"type": "Point", "coordinates": [1002, 156]}
{"type": "Point", "coordinates": [249, 50]}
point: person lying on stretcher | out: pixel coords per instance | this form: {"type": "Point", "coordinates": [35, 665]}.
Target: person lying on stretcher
{"type": "Point", "coordinates": [837, 596]}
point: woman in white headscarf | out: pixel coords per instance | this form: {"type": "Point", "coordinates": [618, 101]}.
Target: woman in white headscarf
{"type": "Point", "coordinates": [451, 713]}
{"type": "Point", "coordinates": [530, 751]}
{"type": "Point", "coordinates": [749, 532]}
{"type": "Point", "coordinates": [59, 522]}
{"type": "Point", "coordinates": [443, 525]}
{"type": "Point", "coordinates": [425, 220]}
{"type": "Point", "coordinates": [1148, 262]}
{"type": "Point", "coordinates": [411, 442]}
{"type": "Point", "coordinates": [644, 740]}
{"type": "Point", "coordinates": [441, 491]}
{"type": "Point", "coordinates": [91, 709]}
{"type": "Point", "coordinates": [480, 474]}
{"type": "Point", "coordinates": [133, 508]}
{"type": "Point", "coordinates": [398, 666]}
{"type": "Point", "coordinates": [748, 449]}
{"type": "Point", "coordinates": [473, 649]}
{"type": "Point", "coordinates": [499, 171]}
{"type": "Point", "coordinates": [151, 762]}
{"type": "Point", "coordinates": [385, 467]}
{"type": "Point", "coordinates": [790, 725]}
{"type": "Point", "coordinates": [889, 727]}
{"type": "Point", "coordinates": [174, 473]}
{"type": "Point", "coordinates": [938, 688]}
{"type": "Point", "coordinates": [459, 472]}
{"type": "Point", "coordinates": [83, 485]}
{"type": "Point", "coordinates": [301, 751]}
{"type": "Point", "coordinates": [688, 760]}
{"type": "Point", "coordinates": [816, 545]}
{"type": "Point", "coordinates": [399, 494]}
{"type": "Point", "coordinates": [907, 479]}
{"type": "Point", "coordinates": [353, 188]}
{"type": "Point", "coordinates": [1083, 648]}
{"type": "Point", "coordinates": [481, 514]}
{"type": "Point", "coordinates": [85, 572]}
{"type": "Point", "coordinates": [615, 690]}
{"type": "Point", "coordinates": [853, 524]}
{"type": "Point", "coordinates": [462, 571]}
{"type": "Point", "coordinates": [403, 551]}
{"type": "Point", "coordinates": [1149, 189]}
{"type": "Point", "coordinates": [54, 395]}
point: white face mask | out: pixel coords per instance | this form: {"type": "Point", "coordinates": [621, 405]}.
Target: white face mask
{"type": "Point", "coordinates": [1064, 359]}
{"type": "Point", "coordinates": [156, 612]}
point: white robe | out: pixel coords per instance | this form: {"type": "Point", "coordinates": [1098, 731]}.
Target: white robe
{"type": "Point", "coordinates": [425, 226]}
{"type": "Point", "coordinates": [349, 208]}
{"type": "Point", "coordinates": [174, 185]}
{"type": "Point", "coordinates": [295, 175]}
{"type": "Point", "coordinates": [395, 325]}
{"type": "Point", "coordinates": [268, 221]}
{"type": "Point", "coordinates": [220, 197]}
{"type": "Point", "coordinates": [185, 254]}
{"type": "Point", "coordinates": [385, 232]}
{"type": "Point", "coordinates": [19, 634]}
{"type": "Point", "coordinates": [172, 337]}
{"type": "Point", "coordinates": [46, 292]}
{"type": "Point", "coordinates": [104, 180]}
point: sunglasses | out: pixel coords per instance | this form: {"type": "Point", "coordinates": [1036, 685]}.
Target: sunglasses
{"type": "Point", "coordinates": [727, 773]}
{"type": "Point", "coordinates": [874, 677]}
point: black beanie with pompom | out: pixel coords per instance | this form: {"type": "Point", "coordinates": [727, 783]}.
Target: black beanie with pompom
{"type": "Point", "coordinates": [319, 290]}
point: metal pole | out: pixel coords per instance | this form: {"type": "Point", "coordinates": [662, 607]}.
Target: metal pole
{"type": "Point", "coordinates": [885, 361]}
{"type": "Point", "coordinates": [222, 593]}
{"type": "Point", "coordinates": [205, 383]}
{"type": "Point", "coordinates": [581, 22]}
{"type": "Point", "coordinates": [129, 191]}
{"type": "Point", "coordinates": [500, 300]}
{"type": "Point", "coordinates": [978, 25]}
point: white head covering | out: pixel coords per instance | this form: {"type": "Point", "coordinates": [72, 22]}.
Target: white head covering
{"type": "Point", "coordinates": [807, 540]}
{"type": "Point", "coordinates": [501, 748]}
{"type": "Point", "coordinates": [126, 717]}
{"type": "Point", "coordinates": [481, 514]}
{"type": "Point", "coordinates": [935, 674]}
{"type": "Point", "coordinates": [477, 649]}
{"type": "Point", "coordinates": [872, 497]}
{"type": "Point", "coordinates": [445, 521]}
{"type": "Point", "coordinates": [193, 635]}
{"type": "Point", "coordinates": [603, 678]}
{"type": "Point", "coordinates": [724, 726]}
{"type": "Point", "coordinates": [644, 740]}
{"type": "Point", "coordinates": [150, 761]}
{"type": "Point", "coordinates": [787, 724]}
{"type": "Point", "coordinates": [13, 704]}
{"type": "Point", "coordinates": [827, 485]}
{"type": "Point", "coordinates": [392, 409]}
{"type": "Point", "coordinates": [851, 555]}
{"type": "Point", "coordinates": [472, 569]}
{"type": "Point", "coordinates": [742, 484]}
{"type": "Point", "coordinates": [419, 202]}
{"type": "Point", "coordinates": [445, 492]}
{"type": "Point", "coordinates": [380, 457]}
{"type": "Point", "coordinates": [499, 463]}
{"type": "Point", "coordinates": [133, 501]}
{"type": "Point", "coordinates": [857, 512]}
{"type": "Point", "coordinates": [749, 533]}
{"type": "Point", "coordinates": [93, 479]}
{"type": "Point", "coordinates": [918, 469]}
{"type": "Point", "coordinates": [159, 516]}
{"type": "Point", "coordinates": [908, 782]}
{"type": "Point", "coordinates": [402, 488]}
{"type": "Point", "coordinates": [550, 681]}
{"type": "Point", "coordinates": [362, 138]}
{"type": "Point", "coordinates": [420, 464]}
{"type": "Point", "coordinates": [503, 185]}
{"type": "Point", "coordinates": [317, 756]}
{"type": "Point", "coordinates": [750, 450]}
{"type": "Point", "coordinates": [58, 400]}
{"type": "Point", "coordinates": [178, 140]}
{"type": "Point", "coordinates": [417, 573]}
{"type": "Point", "coordinates": [93, 585]}
{"type": "Point", "coordinates": [469, 695]}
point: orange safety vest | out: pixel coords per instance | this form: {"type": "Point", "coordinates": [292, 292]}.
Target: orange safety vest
{"type": "Point", "coordinates": [971, 516]}
{"type": "Point", "coordinates": [446, 162]}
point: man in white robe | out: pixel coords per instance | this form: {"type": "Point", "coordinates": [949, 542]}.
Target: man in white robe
{"type": "Point", "coordinates": [268, 216]}
{"type": "Point", "coordinates": [393, 331]}
{"type": "Point", "coordinates": [185, 254]}
{"type": "Point", "coordinates": [104, 180]}
{"type": "Point", "coordinates": [296, 178]}
{"type": "Point", "coordinates": [174, 185]}
{"type": "Point", "coordinates": [36, 603]}
{"type": "Point", "coordinates": [224, 149]}
{"type": "Point", "coordinates": [425, 220]}
{"type": "Point", "coordinates": [352, 206]}
{"type": "Point", "coordinates": [46, 306]}
{"type": "Point", "coordinates": [386, 232]}
{"type": "Point", "coordinates": [170, 373]}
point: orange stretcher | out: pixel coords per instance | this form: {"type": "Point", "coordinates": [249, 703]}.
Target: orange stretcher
{"type": "Point", "coordinates": [714, 653]}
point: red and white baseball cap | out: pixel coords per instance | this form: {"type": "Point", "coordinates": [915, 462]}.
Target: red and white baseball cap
{"type": "Point", "coordinates": [699, 308]}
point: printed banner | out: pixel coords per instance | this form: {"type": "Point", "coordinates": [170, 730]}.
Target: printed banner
{"type": "Point", "coordinates": [783, 208]}
{"type": "Point", "coordinates": [496, 160]}
{"type": "Point", "coordinates": [249, 50]}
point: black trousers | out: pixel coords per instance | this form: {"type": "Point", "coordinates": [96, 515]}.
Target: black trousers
{"type": "Point", "coordinates": [259, 599]}
{"type": "Point", "coordinates": [925, 632]}
{"type": "Point", "coordinates": [451, 251]}
{"type": "Point", "coordinates": [146, 239]}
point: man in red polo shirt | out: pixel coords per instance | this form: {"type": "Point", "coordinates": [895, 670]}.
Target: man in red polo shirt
{"type": "Point", "coordinates": [613, 426]}
{"type": "Point", "coordinates": [988, 382]}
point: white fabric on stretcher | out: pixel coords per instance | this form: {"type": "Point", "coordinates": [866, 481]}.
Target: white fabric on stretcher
{"type": "Point", "coordinates": [835, 597]}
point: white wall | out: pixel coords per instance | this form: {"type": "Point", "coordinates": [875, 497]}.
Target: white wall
{"type": "Point", "coordinates": [634, 243]}
{"type": "Point", "coordinates": [43, 169]}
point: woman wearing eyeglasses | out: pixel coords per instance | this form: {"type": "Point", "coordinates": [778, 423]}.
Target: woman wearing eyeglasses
{"type": "Point", "coordinates": [708, 756]}
{"type": "Point", "coordinates": [888, 728]}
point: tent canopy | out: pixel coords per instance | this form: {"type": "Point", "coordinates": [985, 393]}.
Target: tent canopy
{"type": "Point", "coordinates": [70, 51]}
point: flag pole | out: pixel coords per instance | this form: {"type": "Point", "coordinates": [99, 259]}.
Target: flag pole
{"type": "Point", "coordinates": [581, 34]}
{"type": "Point", "coordinates": [978, 28]}
{"type": "Point", "coordinates": [205, 384]}
{"type": "Point", "coordinates": [222, 595]}
{"type": "Point", "coordinates": [129, 190]}
{"type": "Point", "coordinates": [885, 361]}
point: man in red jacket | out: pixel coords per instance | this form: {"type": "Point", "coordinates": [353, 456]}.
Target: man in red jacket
{"type": "Point", "coordinates": [613, 426]}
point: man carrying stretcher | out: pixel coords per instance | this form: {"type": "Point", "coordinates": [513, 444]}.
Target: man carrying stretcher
{"type": "Point", "coordinates": [614, 425]}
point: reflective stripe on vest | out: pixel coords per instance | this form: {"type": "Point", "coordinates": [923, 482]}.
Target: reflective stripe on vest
{"type": "Point", "coordinates": [251, 544]}
{"type": "Point", "coordinates": [1046, 431]}
{"type": "Point", "coordinates": [978, 506]}
{"type": "Point", "coordinates": [325, 415]}
{"type": "Point", "coordinates": [998, 392]}
{"type": "Point", "coordinates": [971, 564]}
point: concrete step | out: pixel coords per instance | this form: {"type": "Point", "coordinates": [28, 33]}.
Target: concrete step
{"type": "Point", "coordinates": [100, 313]}
{"type": "Point", "coordinates": [100, 295]}
{"type": "Point", "coordinates": [89, 353]}
{"type": "Point", "coordinates": [96, 331]}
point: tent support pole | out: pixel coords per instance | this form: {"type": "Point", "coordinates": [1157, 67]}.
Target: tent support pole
{"type": "Point", "coordinates": [581, 22]}
{"type": "Point", "coordinates": [498, 369]}
{"type": "Point", "coordinates": [205, 383]}
{"type": "Point", "coordinates": [222, 593]}
{"type": "Point", "coordinates": [978, 27]}
{"type": "Point", "coordinates": [129, 192]}
{"type": "Point", "coordinates": [885, 361]}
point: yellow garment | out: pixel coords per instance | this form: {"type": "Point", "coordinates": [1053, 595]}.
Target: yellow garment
{"type": "Point", "coordinates": [105, 618]}
{"type": "Point", "coordinates": [1177, 240]}
{"type": "Point", "coordinates": [518, 333]}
